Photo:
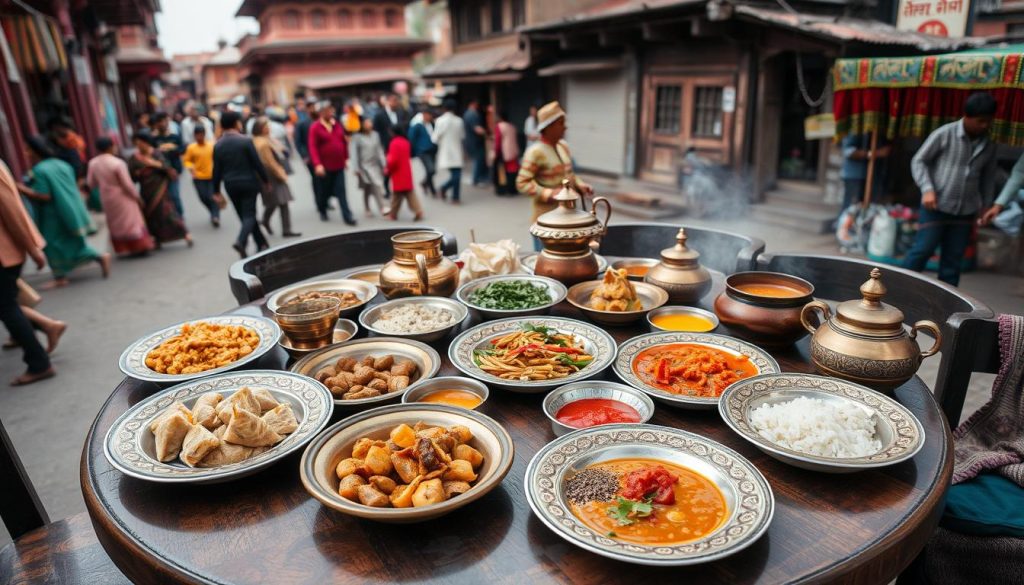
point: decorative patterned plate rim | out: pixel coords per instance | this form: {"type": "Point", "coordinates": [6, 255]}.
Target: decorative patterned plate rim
{"type": "Point", "coordinates": [744, 430]}
{"type": "Point", "coordinates": [574, 531]}
{"type": "Point", "coordinates": [434, 356]}
{"type": "Point", "coordinates": [624, 370]}
{"type": "Point", "coordinates": [318, 407]}
{"type": "Point", "coordinates": [595, 334]}
{"type": "Point", "coordinates": [267, 330]}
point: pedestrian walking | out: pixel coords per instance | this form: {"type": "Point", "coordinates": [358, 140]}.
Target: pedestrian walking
{"type": "Point", "coordinates": [854, 172]}
{"type": "Point", "coordinates": [476, 140]}
{"type": "Point", "coordinates": [955, 170]}
{"type": "Point", "coordinates": [198, 160]}
{"type": "Point", "coordinates": [171, 147]}
{"type": "Point", "coordinates": [122, 204]}
{"type": "Point", "coordinates": [301, 136]}
{"type": "Point", "coordinates": [20, 240]}
{"type": "Point", "coordinates": [237, 166]}
{"type": "Point", "coordinates": [399, 169]}
{"type": "Point", "coordinates": [506, 156]}
{"type": "Point", "coordinates": [548, 163]}
{"type": "Point", "coordinates": [154, 174]}
{"type": "Point", "coordinates": [278, 194]}
{"type": "Point", "coordinates": [368, 159]}
{"type": "Point", "coordinates": [530, 128]}
{"type": "Point", "coordinates": [387, 117]}
{"type": "Point", "coordinates": [1008, 195]}
{"type": "Point", "coordinates": [449, 134]}
{"type": "Point", "coordinates": [60, 214]}
{"type": "Point", "coordinates": [328, 152]}
{"type": "Point", "coordinates": [424, 149]}
{"type": "Point", "coordinates": [192, 121]}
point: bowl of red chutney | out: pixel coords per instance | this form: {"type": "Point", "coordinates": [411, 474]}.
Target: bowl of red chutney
{"type": "Point", "coordinates": [590, 403]}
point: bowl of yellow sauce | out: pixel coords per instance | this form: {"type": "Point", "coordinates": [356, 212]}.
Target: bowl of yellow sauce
{"type": "Point", "coordinates": [451, 390]}
{"type": "Point", "coordinates": [689, 319]}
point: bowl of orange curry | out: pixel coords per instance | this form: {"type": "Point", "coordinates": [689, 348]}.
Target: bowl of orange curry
{"type": "Point", "coordinates": [689, 370]}
{"type": "Point", "coordinates": [764, 307]}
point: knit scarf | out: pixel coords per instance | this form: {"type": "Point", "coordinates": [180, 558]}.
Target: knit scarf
{"type": "Point", "coordinates": [993, 437]}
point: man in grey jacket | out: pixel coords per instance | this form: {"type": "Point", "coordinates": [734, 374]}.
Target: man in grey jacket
{"type": "Point", "coordinates": [955, 170]}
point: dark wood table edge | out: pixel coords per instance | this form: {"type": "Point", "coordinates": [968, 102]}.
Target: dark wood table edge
{"type": "Point", "coordinates": [138, 562]}
{"type": "Point", "coordinates": [860, 568]}
{"type": "Point", "coordinates": [865, 566]}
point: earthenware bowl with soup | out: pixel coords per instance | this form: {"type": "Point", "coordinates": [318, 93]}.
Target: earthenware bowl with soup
{"type": "Point", "coordinates": [586, 404]}
{"type": "Point", "coordinates": [417, 308]}
{"type": "Point", "coordinates": [873, 429]}
{"type": "Point", "coordinates": [321, 457]}
{"type": "Point", "coordinates": [651, 297]}
{"type": "Point", "coordinates": [345, 330]}
{"type": "Point", "coordinates": [450, 390]}
{"type": "Point", "coordinates": [676, 318]}
{"type": "Point", "coordinates": [764, 307]}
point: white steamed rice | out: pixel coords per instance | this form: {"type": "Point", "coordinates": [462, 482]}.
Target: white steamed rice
{"type": "Point", "coordinates": [412, 318]}
{"type": "Point", "coordinates": [816, 427]}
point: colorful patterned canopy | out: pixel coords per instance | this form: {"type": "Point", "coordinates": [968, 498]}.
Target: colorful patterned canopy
{"type": "Point", "coordinates": [912, 96]}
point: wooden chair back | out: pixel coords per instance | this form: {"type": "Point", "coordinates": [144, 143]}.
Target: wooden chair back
{"type": "Point", "coordinates": [961, 318]}
{"type": "Point", "coordinates": [280, 266]}
{"type": "Point", "coordinates": [20, 507]}
{"type": "Point", "coordinates": [719, 250]}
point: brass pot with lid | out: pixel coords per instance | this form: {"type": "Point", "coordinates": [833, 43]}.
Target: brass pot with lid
{"type": "Point", "coordinates": [680, 273]}
{"type": "Point", "coordinates": [865, 341]}
{"type": "Point", "coordinates": [568, 234]}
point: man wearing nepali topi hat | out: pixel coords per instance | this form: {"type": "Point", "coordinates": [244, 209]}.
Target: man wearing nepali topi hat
{"type": "Point", "coordinates": [548, 162]}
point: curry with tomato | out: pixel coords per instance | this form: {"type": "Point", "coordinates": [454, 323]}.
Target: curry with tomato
{"type": "Point", "coordinates": [657, 503]}
{"type": "Point", "coordinates": [691, 369]}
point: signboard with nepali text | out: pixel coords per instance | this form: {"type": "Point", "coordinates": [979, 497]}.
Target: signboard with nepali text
{"type": "Point", "coordinates": [942, 18]}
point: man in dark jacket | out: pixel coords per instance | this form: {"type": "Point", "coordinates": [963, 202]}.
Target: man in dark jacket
{"type": "Point", "coordinates": [476, 140]}
{"type": "Point", "coordinates": [238, 166]}
{"type": "Point", "coordinates": [302, 141]}
{"type": "Point", "coordinates": [423, 148]}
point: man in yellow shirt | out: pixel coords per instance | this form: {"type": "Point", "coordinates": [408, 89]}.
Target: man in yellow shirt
{"type": "Point", "coordinates": [198, 160]}
{"type": "Point", "coordinates": [547, 163]}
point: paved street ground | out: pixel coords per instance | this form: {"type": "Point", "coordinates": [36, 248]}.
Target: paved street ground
{"type": "Point", "coordinates": [49, 421]}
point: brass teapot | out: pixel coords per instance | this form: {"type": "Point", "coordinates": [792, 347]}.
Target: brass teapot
{"type": "Point", "coordinates": [569, 236]}
{"type": "Point", "coordinates": [865, 341]}
{"type": "Point", "coordinates": [418, 267]}
{"type": "Point", "coordinates": [680, 273]}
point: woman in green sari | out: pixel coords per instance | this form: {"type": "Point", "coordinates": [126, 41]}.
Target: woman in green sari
{"type": "Point", "coordinates": [60, 213]}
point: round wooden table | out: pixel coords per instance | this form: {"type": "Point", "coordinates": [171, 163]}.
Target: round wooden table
{"type": "Point", "coordinates": [862, 528]}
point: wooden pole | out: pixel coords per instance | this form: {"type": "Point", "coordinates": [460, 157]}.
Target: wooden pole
{"type": "Point", "coordinates": [870, 179]}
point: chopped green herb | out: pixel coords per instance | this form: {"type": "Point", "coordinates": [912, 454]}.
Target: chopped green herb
{"type": "Point", "coordinates": [510, 295]}
{"type": "Point", "coordinates": [610, 534]}
{"type": "Point", "coordinates": [627, 511]}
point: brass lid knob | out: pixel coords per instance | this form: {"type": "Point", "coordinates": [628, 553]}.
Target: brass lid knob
{"type": "Point", "coordinates": [869, 313]}
{"type": "Point", "coordinates": [680, 255]}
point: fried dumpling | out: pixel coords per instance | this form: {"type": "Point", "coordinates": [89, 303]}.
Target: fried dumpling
{"type": "Point", "coordinates": [348, 485]}
{"type": "Point", "coordinates": [204, 411]}
{"type": "Point", "coordinates": [281, 419]}
{"type": "Point", "coordinates": [245, 428]}
{"type": "Point", "coordinates": [429, 492]}
{"type": "Point", "coordinates": [198, 442]}
{"type": "Point", "coordinates": [265, 398]}
{"type": "Point", "coordinates": [370, 496]}
{"type": "Point", "coordinates": [170, 434]}
{"type": "Point", "coordinates": [405, 464]}
{"type": "Point", "coordinates": [225, 454]}
{"type": "Point", "coordinates": [244, 399]}
{"type": "Point", "coordinates": [176, 406]}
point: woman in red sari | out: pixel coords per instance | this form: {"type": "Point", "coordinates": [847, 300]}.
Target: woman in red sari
{"type": "Point", "coordinates": [154, 175]}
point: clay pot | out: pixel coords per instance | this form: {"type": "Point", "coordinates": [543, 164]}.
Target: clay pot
{"type": "Point", "coordinates": [763, 319]}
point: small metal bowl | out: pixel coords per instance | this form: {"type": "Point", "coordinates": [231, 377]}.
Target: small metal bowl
{"type": "Point", "coordinates": [627, 263]}
{"type": "Point", "coordinates": [556, 290]}
{"type": "Point", "coordinates": [563, 395]}
{"type": "Point", "coordinates": [419, 391]}
{"type": "Point", "coordinates": [363, 289]}
{"type": "Point", "coordinates": [370, 275]}
{"type": "Point", "coordinates": [457, 309]}
{"type": "Point", "coordinates": [678, 310]}
{"type": "Point", "coordinates": [651, 297]}
{"type": "Point", "coordinates": [345, 330]}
